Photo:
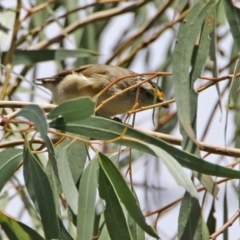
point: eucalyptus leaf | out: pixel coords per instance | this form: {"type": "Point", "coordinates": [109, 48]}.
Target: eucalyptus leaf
{"type": "Point", "coordinates": [114, 216]}
{"type": "Point", "coordinates": [17, 230]}
{"type": "Point", "coordinates": [233, 17]}
{"type": "Point", "coordinates": [10, 161]}
{"type": "Point", "coordinates": [190, 220]}
{"type": "Point", "coordinates": [30, 57]}
{"type": "Point", "coordinates": [36, 115]}
{"type": "Point", "coordinates": [65, 176]}
{"type": "Point", "coordinates": [87, 200]}
{"type": "Point", "coordinates": [40, 191]}
{"type": "Point", "coordinates": [72, 110]}
{"type": "Point", "coordinates": [123, 193]}
{"type": "Point", "coordinates": [106, 129]}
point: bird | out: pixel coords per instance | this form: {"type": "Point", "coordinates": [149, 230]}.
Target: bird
{"type": "Point", "coordinates": [89, 80]}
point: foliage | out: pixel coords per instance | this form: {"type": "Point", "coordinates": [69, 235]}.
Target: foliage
{"type": "Point", "coordinates": [76, 174]}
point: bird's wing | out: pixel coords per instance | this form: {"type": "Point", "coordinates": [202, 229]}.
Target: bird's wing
{"type": "Point", "coordinates": [60, 76]}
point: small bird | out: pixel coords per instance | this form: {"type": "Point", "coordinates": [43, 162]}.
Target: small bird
{"type": "Point", "coordinates": [89, 80]}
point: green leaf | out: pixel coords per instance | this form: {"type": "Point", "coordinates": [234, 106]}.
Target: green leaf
{"type": "Point", "coordinates": [233, 17]}
{"type": "Point", "coordinates": [55, 185]}
{"type": "Point", "coordinates": [234, 91]}
{"type": "Point", "coordinates": [40, 191]}
{"type": "Point", "coordinates": [87, 201]}
{"type": "Point", "coordinates": [16, 230]}
{"type": "Point", "coordinates": [35, 114]}
{"type": "Point", "coordinates": [97, 228]}
{"type": "Point", "coordinates": [64, 234]}
{"type": "Point", "coordinates": [187, 36]}
{"type": "Point", "coordinates": [205, 232]}
{"type": "Point", "coordinates": [190, 219]}
{"type": "Point", "coordinates": [4, 199]}
{"type": "Point", "coordinates": [10, 160]}
{"type": "Point", "coordinates": [77, 154]}
{"type": "Point", "coordinates": [6, 25]}
{"type": "Point", "coordinates": [225, 213]}
{"type": "Point", "coordinates": [124, 194]}
{"type": "Point", "coordinates": [30, 57]}
{"type": "Point", "coordinates": [199, 57]}
{"type": "Point", "coordinates": [105, 129]}
{"type": "Point", "coordinates": [136, 232]}
{"type": "Point", "coordinates": [114, 216]}
{"type": "Point", "coordinates": [73, 110]}
{"type": "Point", "coordinates": [65, 177]}
{"type": "Point", "coordinates": [104, 235]}
{"type": "Point", "coordinates": [176, 170]}
{"type": "Point", "coordinates": [211, 220]}
{"type": "Point", "coordinates": [72, 18]}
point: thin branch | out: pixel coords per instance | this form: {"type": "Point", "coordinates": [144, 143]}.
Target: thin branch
{"type": "Point", "coordinates": [162, 209]}
{"type": "Point", "coordinates": [16, 104]}
{"type": "Point", "coordinates": [35, 31]}
{"type": "Point", "coordinates": [226, 225]}
{"type": "Point", "coordinates": [154, 37]}
{"type": "Point", "coordinates": [20, 142]}
{"type": "Point", "coordinates": [9, 55]}
{"type": "Point", "coordinates": [91, 18]}
{"type": "Point", "coordinates": [37, 8]}
{"type": "Point", "coordinates": [142, 31]}
{"type": "Point", "coordinates": [215, 149]}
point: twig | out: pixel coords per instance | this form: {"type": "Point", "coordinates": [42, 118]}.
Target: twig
{"type": "Point", "coordinates": [37, 8]}
{"type": "Point", "coordinates": [142, 31]}
{"type": "Point", "coordinates": [92, 18]}
{"type": "Point", "coordinates": [154, 37]}
{"type": "Point", "coordinates": [9, 55]}
{"type": "Point", "coordinates": [162, 209]}
{"type": "Point", "coordinates": [4, 120]}
{"type": "Point", "coordinates": [215, 149]}
{"type": "Point", "coordinates": [16, 104]}
{"type": "Point", "coordinates": [20, 142]}
{"type": "Point", "coordinates": [226, 225]}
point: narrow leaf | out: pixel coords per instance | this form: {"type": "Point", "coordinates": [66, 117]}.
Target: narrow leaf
{"type": "Point", "coordinates": [176, 170]}
{"type": "Point", "coordinates": [37, 183]}
{"type": "Point", "coordinates": [64, 234]}
{"type": "Point", "coordinates": [136, 232]}
{"type": "Point", "coordinates": [29, 57]}
{"type": "Point", "coordinates": [104, 235]}
{"type": "Point", "coordinates": [10, 160]}
{"type": "Point", "coordinates": [190, 219]}
{"type": "Point", "coordinates": [16, 230]}
{"type": "Point", "coordinates": [233, 17]}
{"type": "Point", "coordinates": [65, 177]}
{"type": "Point", "coordinates": [211, 220]}
{"type": "Point", "coordinates": [77, 154]}
{"type": "Point", "coordinates": [225, 213]}
{"type": "Point", "coordinates": [124, 194]}
{"type": "Point", "coordinates": [105, 129]}
{"type": "Point", "coordinates": [114, 216]}
{"type": "Point", "coordinates": [73, 110]}
{"type": "Point", "coordinates": [199, 57]}
{"type": "Point", "coordinates": [36, 115]}
{"type": "Point", "coordinates": [87, 200]}
{"type": "Point", "coordinates": [187, 36]}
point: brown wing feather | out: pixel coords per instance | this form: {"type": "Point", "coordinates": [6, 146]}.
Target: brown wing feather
{"type": "Point", "coordinates": [60, 76]}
